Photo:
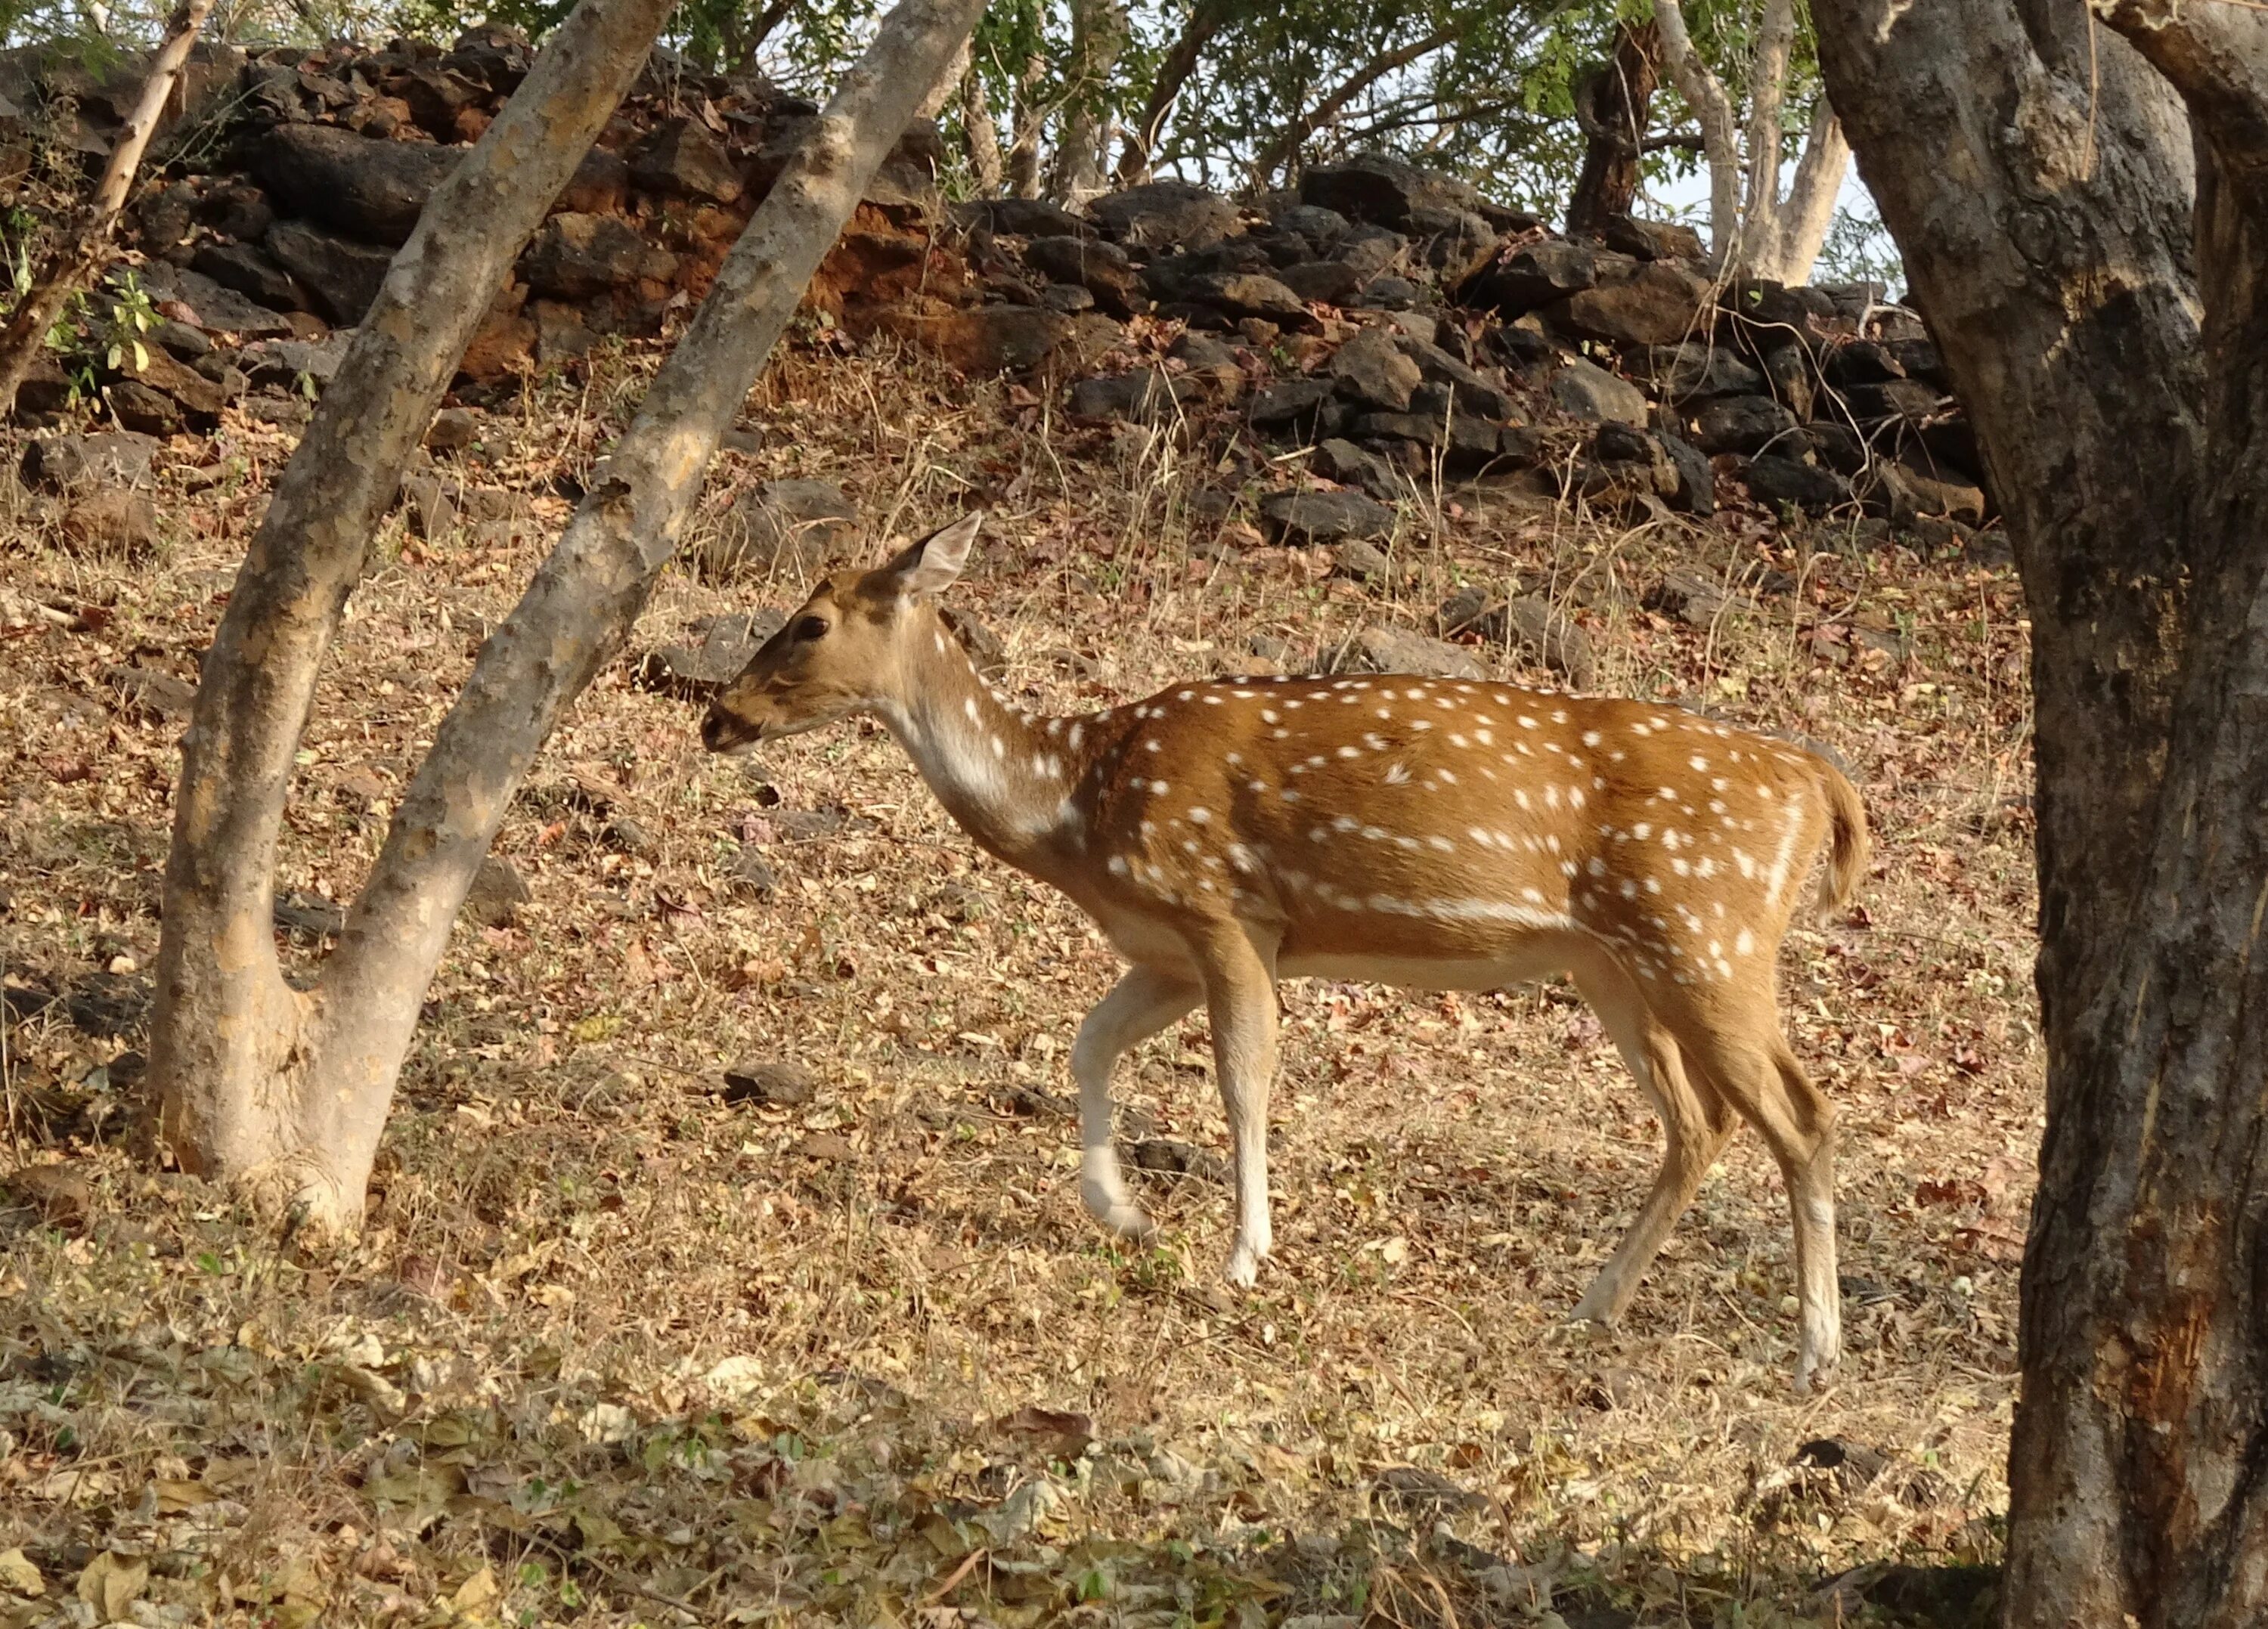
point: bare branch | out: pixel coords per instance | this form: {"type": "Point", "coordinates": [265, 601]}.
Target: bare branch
{"type": "Point", "coordinates": [1704, 93]}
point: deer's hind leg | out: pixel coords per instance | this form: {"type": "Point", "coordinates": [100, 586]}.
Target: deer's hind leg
{"type": "Point", "coordinates": [1695, 1125]}
{"type": "Point", "coordinates": [1144, 1001]}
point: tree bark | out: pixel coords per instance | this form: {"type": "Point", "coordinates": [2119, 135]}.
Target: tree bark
{"type": "Point", "coordinates": [228, 1057]}
{"type": "Point", "coordinates": [1098, 38]}
{"type": "Point", "coordinates": [1023, 169]}
{"type": "Point", "coordinates": [980, 136]}
{"type": "Point", "coordinates": [1802, 219]}
{"type": "Point", "coordinates": [1614, 106]}
{"type": "Point", "coordinates": [87, 243]}
{"type": "Point", "coordinates": [1207, 18]}
{"type": "Point", "coordinates": [2086, 227]}
{"type": "Point", "coordinates": [323, 1077]}
{"type": "Point", "coordinates": [1285, 150]}
{"type": "Point", "coordinates": [1720, 137]}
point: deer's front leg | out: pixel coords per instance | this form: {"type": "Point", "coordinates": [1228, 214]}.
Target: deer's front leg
{"type": "Point", "coordinates": [1139, 1005]}
{"type": "Point", "coordinates": [1240, 980]}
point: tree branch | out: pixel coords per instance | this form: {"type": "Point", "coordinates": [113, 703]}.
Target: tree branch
{"type": "Point", "coordinates": [1288, 141]}
{"type": "Point", "coordinates": [2215, 56]}
{"type": "Point", "coordinates": [1209, 18]}
{"type": "Point", "coordinates": [1720, 143]}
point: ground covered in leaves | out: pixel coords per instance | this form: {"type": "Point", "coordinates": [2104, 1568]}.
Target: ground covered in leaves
{"type": "Point", "coordinates": [725, 1263]}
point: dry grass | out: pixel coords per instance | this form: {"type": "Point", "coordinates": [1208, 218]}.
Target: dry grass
{"type": "Point", "coordinates": [614, 1351]}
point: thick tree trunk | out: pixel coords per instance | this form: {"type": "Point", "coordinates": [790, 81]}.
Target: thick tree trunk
{"type": "Point", "coordinates": [88, 241]}
{"type": "Point", "coordinates": [1614, 106]}
{"type": "Point", "coordinates": [330, 1077]}
{"type": "Point", "coordinates": [228, 1053]}
{"type": "Point", "coordinates": [1098, 38]}
{"type": "Point", "coordinates": [1023, 168]}
{"type": "Point", "coordinates": [1207, 18]}
{"type": "Point", "coordinates": [1801, 220]}
{"type": "Point", "coordinates": [980, 136]}
{"type": "Point", "coordinates": [2091, 255]}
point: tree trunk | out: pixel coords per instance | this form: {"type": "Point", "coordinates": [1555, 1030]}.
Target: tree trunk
{"type": "Point", "coordinates": [980, 136]}
{"type": "Point", "coordinates": [1284, 151]}
{"type": "Point", "coordinates": [87, 243]}
{"type": "Point", "coordinates": [2087, 226]}
{"type": "Point", "coordinates": [1614, 106]}
{"type": "Point", "coordinates": [1207, 18]}
{"type": "Point", "coordinates": [1023, 176]}
{"type": "Point", "coordinates": [1098, 36]}
{"type": "Point", "coordinates": [1802, 219]}
{"type": "Point", "coordinates": [290, 1092]}
{"type": "Point", "coordinates": [226, 1028]}
{"type": "Point", "coordinates": [1720, 137]}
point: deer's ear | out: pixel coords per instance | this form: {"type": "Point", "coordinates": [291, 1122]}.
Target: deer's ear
{"type": "Point", "coordinates": [932, 565]}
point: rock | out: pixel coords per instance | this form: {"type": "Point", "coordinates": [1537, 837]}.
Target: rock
{"type": "Point", "coordinates": [1166, 214]}
{"type": "Point", "coordinates": [1790, 375]}
{"type": "Point", "coordinates": [1919, 359]}
{"type": "Point", "coordinates": [1251, 294]}
{"type": "Point", "coordinates": [1349, 465]}
{"type": "Point", "coordinates": [1660, 304]}
{"type": "Point", "coordinates": [679, 155]}
{"type": "Point", "coordinates": [1382, 649]}
{"type": "Point", "coordinates": [372, 190]}
{"type": "Point", "coordinates": [308, 916]}
{"type": "Point", "coordinates": [80, 464]}
{"type": "Point", "coordinates": [599, 186]}
{"type": "Point", "coordinates": [1321, 228]}
{"type": "Point", "coordinates": [1469, 391]}
{"type": "Point", "coordinates": [283, 411]}
{"type": "Point", "coordinates": [1024, 217]}
{"type": "Point", "coordinates": [1310, 518]}
{"type": "Point", "coordinates": [497, 894]}
{"type": "Point", "coordinates": [1651, 239]}
{"type": "Point", "coordinates": [991, 339]}
{"type": "Point", "coordinates": [154, 692]}
{"type": "Point", "coordinates": [288, 362]}
{"type": "Point", "coordinates": [180, 341]}
{"type": "Point", "coordinates": [138, 407]}
{"type": "Point", "coordinates": [1364, 563]}
{"type": "Point", "coordinates": [1836, 446]}
{"type": "Point", "coordinates": [1201, 352]}
{"type": "Point", "coordinates": [1528, 625]}
{"type": "Point", "coordinates": [1775, 481]}
{"type": "Point", "coordinates": [1693, 598]}
{"type": "Point", "coordinates": [1907, 399]}
{"type": "Point", "coordinates": [1321, 281]}
{"type": "Point", "coordinates": [1101, 269]}
{"type": "Point", "coordinates": [1373, 370]}
{"type": "Point", "coordinates": [697, 671]}
{"type": "Point", "coordinates": [505, 341]}
{"type": "Point", "coordinates": [769, 1083]}
{"type": "Point", "coordinates": [240, 267]}
{"type": "Point", "coordinates": [1466, 440]}
{"type": "Point", "coordinates": [1537, 274]}
{"type": "Point", "coordinates": [1898, 490]}
{"type": "Point", "coordinates": [1288, 403]}
{"type": "Point", "coordinates": [114, 519]}
{"type": "Point", "coordinates": [575, 256]}
{"type": "Point", "coordinates": [1695, 492]}
{"type": "Point", "coordinates": [343, 276]}
{"type": "Point", "coordinates": [1391, 192]}
{"type": "Point", "coordinates": [1142, 394]}
{"type": "Point", "coordinates": [452, 430]}
{"type": "Point", "coordinates": [1859, 362]}
{"type": "Point", "coordinates": [1428, 1490]}
{"type": "Point", "coordinates": [1170, 1158]}
{"type": "Point", "coordinates": [1742, 424]}
{"type": "Point", "coordinates": [1587, 391]}
{"type": "Point", "coordinates": [787, 526]}
{"type": "Point", "coordinates": [107, 1005]}
{"type": "Point", "coordinates": [213, 305]}
{"type": "Point", "coordinates": [1068, 298]}
{"type": "Point", "coordinates": [752, 876]}
{"type": "Point", "coordinates": [1698, 369]}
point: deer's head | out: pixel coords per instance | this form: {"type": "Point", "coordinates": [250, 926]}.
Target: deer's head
{"type": "Point", "coordinates": [847, 649]}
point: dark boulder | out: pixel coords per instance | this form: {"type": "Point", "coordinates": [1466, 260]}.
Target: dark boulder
{"type": "Point", "coordinates": [342, 274]}
{"type": "Point", "coordinates": [373, 190]}
{"type": "Point", "coordinates": [1537, 274]}
{"type": "Point", "coordinates": [679, 156]}
{"type": "Point", "coordinates": [1162, 214]}
{"type": "Point", "coordinates": [1307, 518]}
{"type": "Point", "coordinates": [1659, 303]}
{"type": "Point", "coordinates": [251, 273]}
{"type": "Point", "coordinates": [1393, 193]}
{"type": "Point", "coordinates": [1742, 424]}
{"type": "Point", "coordinates": [1776, 482]}
{"type": "Point", "coordinates": [1101, 269]}
{"type": "Point", "coordinates": [576, 256]}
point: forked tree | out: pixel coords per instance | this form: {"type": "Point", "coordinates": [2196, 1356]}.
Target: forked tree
{"type": "Point", "coordinates": [1757, 227]}
{"type": "Point", "coordinates": [283, 1092]}
{"type": "Point", "coordinates": [2081, 200]}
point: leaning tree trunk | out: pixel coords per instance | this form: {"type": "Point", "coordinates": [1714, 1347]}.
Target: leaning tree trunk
{"type": "Point", "coordinates": [86, 242]}
{"type": "Point", "coordinates": [1098, 38]}
{"type": "Point", "coordinates": [2086, 227]}
{"type": "Point", "coordinates": [1206, 20]}
{"type": "Point", "coordinates": [290, 1092]}
{"type": "Point", "coordinates": [1614, 106]}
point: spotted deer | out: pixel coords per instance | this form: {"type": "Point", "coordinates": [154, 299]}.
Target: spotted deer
{"type": "Point", "coordinates": [1419, 832]}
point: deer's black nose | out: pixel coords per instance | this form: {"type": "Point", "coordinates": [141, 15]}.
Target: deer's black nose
{"type": "Point", "coordinates": [713, 732]}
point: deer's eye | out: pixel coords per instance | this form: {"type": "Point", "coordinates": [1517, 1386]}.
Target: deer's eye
{"type": "Point", "coordinates": [811, 627]}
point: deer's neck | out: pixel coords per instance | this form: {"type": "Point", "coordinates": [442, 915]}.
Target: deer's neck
{"type": "Point", "coordinates": [994, 769]}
